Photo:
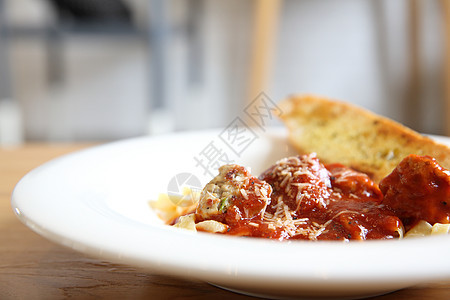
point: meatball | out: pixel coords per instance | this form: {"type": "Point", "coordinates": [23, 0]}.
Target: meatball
{"type": "Point", "coordinates": [233, 195]}
{"type": "Point", "coordinates": [302, 182]}
{"type": "Point", "coordinates": [418, 189]}
{"type": "Point", "coordinates": [353, 183]}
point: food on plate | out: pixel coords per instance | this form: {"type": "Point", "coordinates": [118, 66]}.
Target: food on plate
{"type": "Point", "coordinates": [418, 189]}
{"type": "Point", "coordinates": [301, 198]}
{"type": "Point", "coordinates": [170, 207]}
{"type": "Point", "coordinates": [423, 228]}
{"type": "Point", "coordinates": [331, 202]}
{"type": "Point", "coordinates": [341, 132]}
{"type": "Point", "coordinates": [233, 195]}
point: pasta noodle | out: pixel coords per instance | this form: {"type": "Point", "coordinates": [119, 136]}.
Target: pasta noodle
{"type": "Point", "coordinates": [439, 228]}
{"type": "Point", "coordinates": [169, 208]}
{"type": "Point", "coordinates": [423, 228]}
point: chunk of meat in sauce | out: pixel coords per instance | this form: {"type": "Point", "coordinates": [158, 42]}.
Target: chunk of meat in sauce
{"type": "Point", "coordinates": [232, 196]}
{"type": "Point", "coordinates": [302, 182]}
{"type": "Point", "coordinates": [326, 203]}
{"type": "Point", "coordinates": [418, 189]}
{"type": "Point", "coordinates": [358, 212]}
{"type": "Point", "coordinates": [351, 182]}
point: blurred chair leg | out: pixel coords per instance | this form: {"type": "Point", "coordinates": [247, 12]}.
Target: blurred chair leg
{"type": "Point", "coordinates": [161, 119]}
{"type": "Point", "coordinates": [446, 16]}
{"type": "Point", "coordinates": [5, 84]}
{"type": "Point", "coordinates": [266, 14]}
{"type": "Point", "coordinates": [414, 89]}
{"type": "Point", "coordinates": [10, 115]}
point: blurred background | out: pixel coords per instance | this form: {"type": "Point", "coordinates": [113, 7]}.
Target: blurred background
{"type": "Point", "coordinates": [83, 70]}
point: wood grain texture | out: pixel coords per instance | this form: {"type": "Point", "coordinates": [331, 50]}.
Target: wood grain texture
{"type": "Point", "coordinates": [33, 268]}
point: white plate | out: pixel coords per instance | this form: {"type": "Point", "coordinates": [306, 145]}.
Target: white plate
{"type": "Point", "coordinates": [96, 201]}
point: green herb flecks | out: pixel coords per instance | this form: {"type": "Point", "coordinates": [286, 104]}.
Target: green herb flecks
{"type": "Point", "coordinates": [223, 204]}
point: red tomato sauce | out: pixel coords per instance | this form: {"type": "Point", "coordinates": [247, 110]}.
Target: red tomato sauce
{"type": "Point", "coordinates": [312, 201]}
{"type": "Point", "coordinates": [418, 189]}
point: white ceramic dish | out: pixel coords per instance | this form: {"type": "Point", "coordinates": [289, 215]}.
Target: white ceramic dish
{"type": "Point", "coordinates": [96, 201]}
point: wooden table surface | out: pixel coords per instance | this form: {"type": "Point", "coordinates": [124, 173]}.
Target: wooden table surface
{"type": "Point", "coordinates": [32, 267]}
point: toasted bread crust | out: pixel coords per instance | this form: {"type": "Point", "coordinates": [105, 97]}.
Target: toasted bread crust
{"type": "Point", "coordinates": [343, 133]}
